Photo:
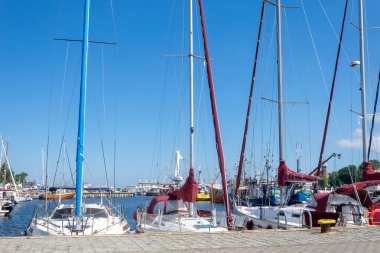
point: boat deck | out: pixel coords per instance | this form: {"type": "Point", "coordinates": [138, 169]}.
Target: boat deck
{"type": "Point", "coordinates": [339, 240]}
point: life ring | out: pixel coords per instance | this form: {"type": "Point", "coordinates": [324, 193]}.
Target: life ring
{"type": "Point", "coordinates": [372, 216]}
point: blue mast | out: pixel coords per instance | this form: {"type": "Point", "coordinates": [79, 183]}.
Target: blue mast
{"type": "Point", "coordinates": [82, 107]}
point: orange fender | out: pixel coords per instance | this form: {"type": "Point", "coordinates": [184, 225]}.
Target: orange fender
{"type": "Point", "coordinates": [374, 217]}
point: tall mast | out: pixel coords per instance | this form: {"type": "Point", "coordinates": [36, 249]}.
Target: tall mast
{"type": "Point", "coordinates": [362, 80]}
{"type": "Point", "coordinates": [191, 71]}
{"type": "Point", "coordinates": [242, 153]}
{"type": "Point", "coordinates": [279, 77]}
{"type": "Point", "coordinates": [320, 161]}
{"type": "Point", "coordinates": [43, 167]}
{"type": "Point", "coordinates": [82, 103]}
{"type": "Point", "coordinates": [218, 138]}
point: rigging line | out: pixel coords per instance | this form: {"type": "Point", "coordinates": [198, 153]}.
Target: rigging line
{"type": "Point", "coordinates": [332, 91]}
{"type": "Point", "coordinates": [113, 20]}
{"type": "Point", "coordinates": [373, 116]}
{"type": "Point", "coordinates": [204, 123]}
{"type": "Point", "coordinates": [368, 55]}
{"type": "Point", "coordinates": [309, 121]}
{"type": "Point", "coordinates": [179, 102]}
{"type": "Point", "coordinates": [68, 161]}
{"type": "Point", "coordinates": [165, 70]}
{"type": "Point", "coordinates": [352, 11]}
{"type": "Point", "coordinates": [252, 84]}
{"type": "Point", "coordinates": [92, 175]}
{"type": "Point", "coordinates": [318, 59]}
{"type": "Point", "coordinates": [315, 48]}
{"type": "Point", "coordinates": [59, 158]}
{"type": "Point", "coordinates": [103, 87]}
{"type": "Point", "coordinates": [287, 110]}
{"type": "Point", "coordinates": [114, 152]}
{"type": "Point", "coordinates": [199, 105]}
{"type": "Point", "coordinates": [102, 132]}
{"type": "Point", "coordinates": [65, 125]}
{"type": "Point", "coordinates": [105, 164]}
{"type": "Point", "coordinates": [64, 78]}
{"type": "Point", "coordinates": [336, 35]}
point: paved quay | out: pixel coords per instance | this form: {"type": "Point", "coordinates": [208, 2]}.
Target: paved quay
{"type": "Point", "coordinates": [339, 240]}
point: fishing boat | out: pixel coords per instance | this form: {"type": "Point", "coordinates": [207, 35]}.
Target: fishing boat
{"type": "Point", "coordinates": [176, 212]}
{"type": "Point", "coordinates": [80, 218]}
{"type": "Point", "coordinates": [203, 193]}
{"type": "Point", "coordinates": [58, 194]}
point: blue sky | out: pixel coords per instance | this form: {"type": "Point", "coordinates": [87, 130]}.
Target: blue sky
{"type": "Point", "coordinates": [146, 94]}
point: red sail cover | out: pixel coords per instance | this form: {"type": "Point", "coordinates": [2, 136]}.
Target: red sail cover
{"type": "Point", "coordinates": [348, 190]}
{"type": "Point", "coordinates": [369, 173]}
{"type": "Point", "coordinates": [188, 192]}
{"type": "Point", "coordinates": [286, 176]}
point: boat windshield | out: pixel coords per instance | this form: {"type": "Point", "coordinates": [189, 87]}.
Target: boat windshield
{"type": "Point", "coordinates": [95, 212]}
{"type": "Point", "coordinates": [63, 213]}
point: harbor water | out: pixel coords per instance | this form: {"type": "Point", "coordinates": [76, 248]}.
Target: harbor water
{"type": "Point", "coordinates": [21, 215]}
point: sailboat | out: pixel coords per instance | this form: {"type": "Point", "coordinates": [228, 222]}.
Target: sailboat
{"type": "Point", "coordinates": [16, 196]}
{"type": "Point", "coordinates": [176, 212]}
{"type": "Point", "coordinates": [279, 216]}
{"type": "Point", "coordinates": [349, 205]}
{"type": "Point", "coordinates": [80, 218]}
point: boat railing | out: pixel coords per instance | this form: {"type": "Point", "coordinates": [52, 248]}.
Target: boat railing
{"type": "Point", "coordinates": [303, 217]}
{"type": "Point", "coordinates": [279, 214]}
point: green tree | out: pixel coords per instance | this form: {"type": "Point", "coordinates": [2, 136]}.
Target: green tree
{"type": "Point", "coordinates": [334, 179]}
{"type": "Point", "coordinates": [21, 177]}
{"type": "Point", "coordinates": [324, 181]}
{"type": "Point", "coordinates": [348, 175]}
{"type": "Point", "coordinates": [3, 167]}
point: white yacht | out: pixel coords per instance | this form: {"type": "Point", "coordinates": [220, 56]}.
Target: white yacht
{"type": "Point", "coordinates": [96, 219]}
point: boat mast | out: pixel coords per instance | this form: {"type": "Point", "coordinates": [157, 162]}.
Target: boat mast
{"type": "Point", "coordinates": [362, 80]}
{"type": "Point", "coordinates": [218, 138]}
{"type": "Point", "coordinates": [242, 153]}
{"type": "Point", "coordinates": [191, 71]}
{"type": "Point", "coordinates": [279, 80]}
{"type": "Point", "coordinates": [82, 103]}
{"type": "Point", "coordinates": [373, 116]}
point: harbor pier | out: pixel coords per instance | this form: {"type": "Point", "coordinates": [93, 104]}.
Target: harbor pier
{"type": "Point", "coordinates": [107, 194]}
{"type": "Point", "coordinates": [347, 240]}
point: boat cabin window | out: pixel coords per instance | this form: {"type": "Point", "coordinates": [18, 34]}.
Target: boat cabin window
{"type": "Point", "coordinates": [95, 212]}
{"type": "Point", "coordinates": [63, 213]}
{"type": "Point", "coordinates": [173, 206]}
{"type": "Point", "coordinates": [159, 206]}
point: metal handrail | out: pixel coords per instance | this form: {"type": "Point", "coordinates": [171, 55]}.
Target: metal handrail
{"type": "Point", "coordinates": [278, 219]}
{"type": "Point", "coordinates": [310, 218]}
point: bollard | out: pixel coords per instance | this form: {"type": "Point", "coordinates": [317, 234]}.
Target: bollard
{"type": "Point", "coordinates": [326, 225]}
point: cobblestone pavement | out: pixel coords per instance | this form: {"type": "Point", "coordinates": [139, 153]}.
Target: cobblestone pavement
{"type": "Point", "coordinates": [339, 240]}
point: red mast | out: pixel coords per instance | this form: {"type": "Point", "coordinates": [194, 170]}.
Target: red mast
{"type": "Point", "coordinates": [218, 138]}
{"type": "Point", "coordinates": [331, 94]}
{"type": "Point", "coordinates": [241, 161]}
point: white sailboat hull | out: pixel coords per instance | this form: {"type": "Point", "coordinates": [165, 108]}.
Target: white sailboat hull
{"type": "Point", "coordinates": [98, 222]}
{"type": "Point", "coordinates": [274, 216]}
{"type": "Point", "coordinates": [175, 223]}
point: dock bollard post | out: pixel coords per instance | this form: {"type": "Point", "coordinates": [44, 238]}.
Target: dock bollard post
{"type": "Point", "coordinates": [326, 225]}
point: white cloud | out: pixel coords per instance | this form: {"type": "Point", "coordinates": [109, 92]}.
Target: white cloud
{"type": "Point", "coordinates": [356, 141]}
